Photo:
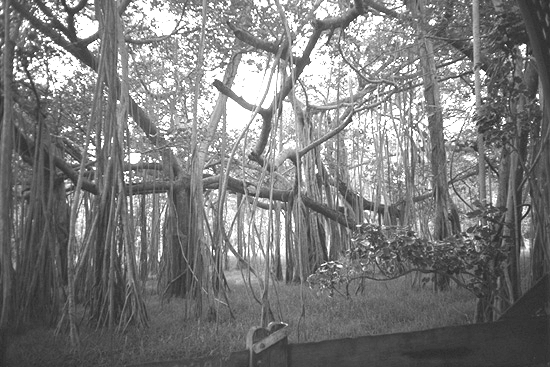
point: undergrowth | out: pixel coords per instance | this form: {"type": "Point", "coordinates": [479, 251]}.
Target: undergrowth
{"type": "Point", "coordinates": [381, 308]}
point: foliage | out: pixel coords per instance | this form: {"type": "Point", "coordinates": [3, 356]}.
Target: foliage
{"type": "Point", "coordinates": [389, 252]}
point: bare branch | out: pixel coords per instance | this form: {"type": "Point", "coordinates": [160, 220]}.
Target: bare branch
{"type": "Point", "coordinates": [352, 197]}
{"type": "Point", "coordinates": [223, 89]}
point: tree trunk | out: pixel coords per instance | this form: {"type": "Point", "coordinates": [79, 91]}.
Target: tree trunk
{"type": "Point", "coordinates": [289, 244]}
{"type": "Point", "coordinates": [155, 234]}
{"type": "Point", "coordinates": [446, 221]}
{"type": "Point", "coordinates": [540, 200]}
{"type": "Point", "coordinates": [115, 296]}
{"type": "Point", "coordinates": [40, 267]}
{"type": "Point", "coordinates": [277, 263]}
{"type": "Point", "coordinates": [336, 156]}
{"type": "Point", "coordinates": [240, 228]}
{"type": "Point", "coordinates": [177, 256]}
{"type": "Point", "coordinates": [312, 226]}
{"type": "Point", "coordinates": [538, 30]}
{"type": "Point", "coordinates": [482, 303]}
{"type": "Point", "coordinates": [143, 261]}
{"type": "Point", "coordinates": [6, 148]}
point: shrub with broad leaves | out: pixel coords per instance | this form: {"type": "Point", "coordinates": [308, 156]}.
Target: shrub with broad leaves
{"type": "Point", "coordinates": [471, 259]}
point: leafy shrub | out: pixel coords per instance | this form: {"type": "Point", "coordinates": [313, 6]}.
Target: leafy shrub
{"type": "Point", "coordinates": [470, 258]}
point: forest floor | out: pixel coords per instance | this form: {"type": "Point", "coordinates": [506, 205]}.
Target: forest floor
{"type": "Point", "coordinates": [381, 308]}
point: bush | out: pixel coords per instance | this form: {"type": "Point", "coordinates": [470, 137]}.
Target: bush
{"type": "Point", "coordinates": [381, 253]}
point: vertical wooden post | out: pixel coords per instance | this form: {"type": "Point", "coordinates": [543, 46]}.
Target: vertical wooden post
{"type": "Point", "coordinates": [268, 346]}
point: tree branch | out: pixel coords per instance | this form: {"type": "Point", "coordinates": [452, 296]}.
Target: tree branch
{"type": "Point", "coordinates": [81, 53]}
{"type": "Point", "coordinates": [275, 48]}
{"type": "Point", "coordinates": [223, 89]}
{"type": "Point", "coordinates": [352, 198]}
{"type": "Point", "coordinates": [26, 150]}
{"type": "Point", "coordinates": [319, 26]}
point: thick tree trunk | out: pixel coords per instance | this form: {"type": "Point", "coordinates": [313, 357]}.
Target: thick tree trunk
{"type": "Point", "coordinates": [312, 226]}
{"type": "Point", "coordinates": [446, 217]}
{"type": "Point", "coordinates": [178, 256]}
{"type": "Point", "coordinates": [41, 272]}
{"type": "Point", "coordinates": [540, 201]}
{"type": "Point", "coordinates": [535, 15]}
{"type": "Point", "coordinates": [115, 297]}
{"type": "Point", "coordinates": [336, 156]}
{"type": "Point", "coordinates": [6, 150]}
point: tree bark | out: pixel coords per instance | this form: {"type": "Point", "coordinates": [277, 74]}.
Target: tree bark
{"type": "Point", "coordinates": [535, 15]}
{"type": "Point", "coordinates": [6, 150]}
{"type": "Point", "coordinates": [313, 241]}
{"type": "Point", "coordinates": [143, 261]}
{"type": "Point", "coordinates": [446, 220]}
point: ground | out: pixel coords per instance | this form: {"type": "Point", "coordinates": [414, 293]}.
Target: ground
{"type": "Point", "coordinates": [382, 307]}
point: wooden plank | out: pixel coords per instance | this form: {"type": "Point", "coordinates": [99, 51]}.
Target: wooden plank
{"type": "Point", "coordinates": [268, 346]}
{"type": "Point", "coordinates": [503, 343]}
{"type": "Point", "coordinates": [532, 303]}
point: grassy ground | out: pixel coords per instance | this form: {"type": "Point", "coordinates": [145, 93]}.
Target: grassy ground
{"type": "Point", "coordinates": [383, 307]}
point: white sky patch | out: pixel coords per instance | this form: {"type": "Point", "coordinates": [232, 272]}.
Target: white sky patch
{"type": "Point", "coordinates": [251, 85]}
{"type": "Point", "coordinates": [86, 27]}
{"type": "Point", "coordinates": [135, 158]}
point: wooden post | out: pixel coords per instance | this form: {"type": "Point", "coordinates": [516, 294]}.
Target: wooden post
{"type": "Point", "coordinates": [268, 346]}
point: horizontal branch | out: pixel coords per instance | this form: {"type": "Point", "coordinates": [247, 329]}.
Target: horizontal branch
{"type": "Point", "coordinates": [142, 166]}
{"type": "Point", "coordinates": [244, 187]}
{"type": "Point", "coordinates": [153, 187]}
{"type": "Point", "coordinates": [353, 198]}
{"type": "Point", "coordinates": [275, 48]}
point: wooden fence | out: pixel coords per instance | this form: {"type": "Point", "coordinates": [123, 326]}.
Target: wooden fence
{"type": "Point", "coordinates": [519, 338]}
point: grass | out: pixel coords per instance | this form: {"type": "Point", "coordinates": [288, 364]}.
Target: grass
{"type": "Point", "coordinates": [383, 307]}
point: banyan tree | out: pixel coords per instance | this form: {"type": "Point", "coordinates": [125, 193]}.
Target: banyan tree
{"type": "Point", "coordinates": [132, 152]}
